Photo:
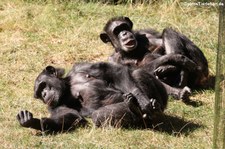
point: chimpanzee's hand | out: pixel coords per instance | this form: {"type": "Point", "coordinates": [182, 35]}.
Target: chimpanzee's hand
{"type": "Point", "coordinates": [25, 118]}
{"type": "Point", "coordinates": [163, 70]}
{"type": "Point", "coordinates": [129, 98]}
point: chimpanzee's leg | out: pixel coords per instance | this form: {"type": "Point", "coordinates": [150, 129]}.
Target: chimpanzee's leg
{"type": "Point", "coordinates": [172, 42]}
{"type": "Point", "coordinates": [153, 88]}
{"type": "Point", "coordinates": [122, 114]}
{"type": "Point", "coordinates": [178, 93]}
{"type": "Point", "coordinates": [177, 43]}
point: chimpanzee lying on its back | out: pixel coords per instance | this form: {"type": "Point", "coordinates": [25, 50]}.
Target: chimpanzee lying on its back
{"type": "Point", "coordinates": [88, 87]}
{"type": "Point", "coordinates": [138, 48]}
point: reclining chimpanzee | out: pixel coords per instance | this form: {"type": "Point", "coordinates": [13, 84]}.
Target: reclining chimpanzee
{"type": "Point", "coordinates": [90, 86]}
{"type": "Point", "coordinates": [141, 47]}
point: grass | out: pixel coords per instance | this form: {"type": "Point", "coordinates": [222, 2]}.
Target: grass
{"type": "Point", "coordinates": [34, 34]}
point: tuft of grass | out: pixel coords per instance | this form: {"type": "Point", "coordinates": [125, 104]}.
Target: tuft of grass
{"type": "Point", "coordinates": [36, 33]}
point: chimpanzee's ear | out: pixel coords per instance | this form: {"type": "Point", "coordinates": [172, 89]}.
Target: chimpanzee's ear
{"type": "Point", "coordinates": [129, 21]}
{"type": "Point", "coordinates": [50, 70]}
{"type": "Point", "coordinates": [104, 37]}
{"type": "Point", "coordinates": [58, 72]}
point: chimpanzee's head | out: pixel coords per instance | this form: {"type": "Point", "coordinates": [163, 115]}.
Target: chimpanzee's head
{"type": "Point", "coordinates": [119, 32]}
{"type": "Point", "coordinates": [49, 86]}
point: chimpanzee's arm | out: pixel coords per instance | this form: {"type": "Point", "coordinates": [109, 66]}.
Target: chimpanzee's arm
{"type": "Point", "coordinates": [62, 119]}
{"type": "Point", "coordinates": [163, 70]}
{"type": "Point", "coordinates": [172, 59]}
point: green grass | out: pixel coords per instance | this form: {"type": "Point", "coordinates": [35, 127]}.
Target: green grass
{"type": "Point", "coordinates": [34, 34]}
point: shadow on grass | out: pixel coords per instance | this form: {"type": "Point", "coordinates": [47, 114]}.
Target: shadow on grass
{"type": "Point", "coordinates": [171, 125]}
{"type": "Point", "coordinates": [209, 84]}
{"type": "Point", "coordinates": [175, 126]}
{"type": "Point", "coordinates": [193, 103]}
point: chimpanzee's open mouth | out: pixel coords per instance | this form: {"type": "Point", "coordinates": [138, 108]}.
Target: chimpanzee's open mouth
{"type": "Point", "coordinates": [50, 102]}
{"type": "Point", "coordinates": [131, 43]}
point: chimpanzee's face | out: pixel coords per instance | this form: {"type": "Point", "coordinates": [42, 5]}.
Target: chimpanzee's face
{"type": "Point", "coordinates": [124, 36]}
{"type": "Point", "coordinates": [49, 87]}
{"type": "Point", "coordinates": [119, 33]}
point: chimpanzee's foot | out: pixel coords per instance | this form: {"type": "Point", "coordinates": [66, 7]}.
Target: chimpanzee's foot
{"type": "Point", "coordinates": [185, 93]}
{"type": "Point", "coordinates": [155, 105]}
{"type": "Point", "coordinates": [152, 107]}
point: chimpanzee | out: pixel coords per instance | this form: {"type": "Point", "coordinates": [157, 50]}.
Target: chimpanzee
{"type": "Point", "coordinates": [86, 88]}
{"type": "Point", "coordinates": [131, 48]}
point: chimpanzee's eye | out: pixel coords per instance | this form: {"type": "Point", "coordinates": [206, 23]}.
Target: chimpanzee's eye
{"type": "Point", "coordinates": [116, 31]}
{"type": "Point", "coordinates": [122, 27]}
{"type": "Point", "coordinates": [41, 87]}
